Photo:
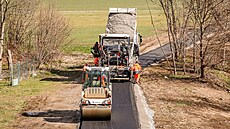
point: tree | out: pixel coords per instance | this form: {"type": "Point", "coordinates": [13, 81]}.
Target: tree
{"type": "Point", "coordinates": [37, 32]}
{"type": "Point", "coordinates": [205, 21]}
{"type": "Point", "coordinates": [4, 6]}
{"type": "Point", "coordinates": [168, 10]}
{"type": "Point", "coordinates": [204, 14]}
{"type": "Point", "coordinates": [177, 15]}
{"type": "Point", "coordinates": [52, 31]}
{"type": "Point", "coordinates": [20, 27]}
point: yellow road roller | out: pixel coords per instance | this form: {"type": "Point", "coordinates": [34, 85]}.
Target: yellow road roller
{"type": "Point", "coordinates": [96, 98]}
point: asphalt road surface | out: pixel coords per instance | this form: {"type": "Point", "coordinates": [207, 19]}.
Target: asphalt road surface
{"type": "Point", "coordinates": [154, 56]}
{"type": "Point", "coordinates": [124, 113]}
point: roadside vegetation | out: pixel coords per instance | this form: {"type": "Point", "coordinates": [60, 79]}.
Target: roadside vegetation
{"type": "Point", "coordinates": [12, 99]}
{"type": "Point", "coordinates": [198, 34]}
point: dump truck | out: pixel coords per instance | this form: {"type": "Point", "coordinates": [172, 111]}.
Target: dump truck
{"type": "Point", "coordinates": [96, 99]}
{"type": "Point", "coordinates": [120, 43]}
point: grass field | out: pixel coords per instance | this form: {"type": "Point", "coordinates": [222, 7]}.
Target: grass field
{"type": "Point", "coordinates": [12, 98]}
{"type": "Point", "coordinates": [83, 5]}
{"type": "Point", "coordinates": [88, 19]}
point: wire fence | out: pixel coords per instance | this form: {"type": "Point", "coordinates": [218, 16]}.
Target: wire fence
{"type": "Point", "coordinates": [20, 71]}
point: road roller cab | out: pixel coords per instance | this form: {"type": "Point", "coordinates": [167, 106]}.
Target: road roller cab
{"type": "Point", "coordinates": [96, 98]}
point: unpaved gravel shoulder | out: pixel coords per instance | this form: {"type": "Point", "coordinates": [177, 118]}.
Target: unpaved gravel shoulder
{"type": "Point", "coordinates": [185, 104]}
{"type": "Point", "coordinates": [55, 109]}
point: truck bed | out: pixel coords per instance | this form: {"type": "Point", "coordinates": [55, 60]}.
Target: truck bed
{"type": "Point", "coordinates": [122, 21]}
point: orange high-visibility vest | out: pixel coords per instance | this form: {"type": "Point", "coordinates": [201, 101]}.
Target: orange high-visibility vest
{"type": "Point", "coordinates": [137, 68]}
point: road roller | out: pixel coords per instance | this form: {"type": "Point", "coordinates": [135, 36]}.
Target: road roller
{"type": "Point", "coordinates": [96, 101]}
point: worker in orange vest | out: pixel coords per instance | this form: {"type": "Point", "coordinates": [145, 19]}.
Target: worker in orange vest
{"type": "Point", "coordinates": [136, 72]}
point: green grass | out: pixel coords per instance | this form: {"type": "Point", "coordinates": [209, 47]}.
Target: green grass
{"type": "Point", "coordinates": [79, 5]}
{"type": "Point", "coordinates": [89, 17]}
{"type": "Point", "coordinates": [224, 76]}
{"type": "Point", "coordinates": [13, 98]}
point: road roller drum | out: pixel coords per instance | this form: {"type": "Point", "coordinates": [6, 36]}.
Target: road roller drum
{"type": "Point", "coordinates": [96, 114]}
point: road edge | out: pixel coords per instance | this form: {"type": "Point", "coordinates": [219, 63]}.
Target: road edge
{"type": "Point", "coordinates": [145, 114]}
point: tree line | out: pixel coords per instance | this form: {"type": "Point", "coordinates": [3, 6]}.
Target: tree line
{"type": "Point", "coordinates": [31, 30]}
{"type": "Point", "coordinates": [204, 26]}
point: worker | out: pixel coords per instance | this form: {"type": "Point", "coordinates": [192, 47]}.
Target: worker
{"type": "Point", "coordinates": [136, 72]}
{"type": "Point", "coordinates": [96, 53]}
{"type": "Point", "coordinates": [85, 75]}
{"type": "Point", "coordinates": [124, 55]}
{"type": "Point", "coordinates": [102, 55]}
{"type": "Point", "coordinates": [102, 79]}
{"type": "Point", "coordinates": [85, 66]}
{"type": "Point", "coordinates": [96, 61]}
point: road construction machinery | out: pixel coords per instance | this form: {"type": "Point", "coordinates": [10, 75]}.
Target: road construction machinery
{"type": "Point", "coordinates": [96, 98]}
{"type": "Point", "coordinates": [120, 44]}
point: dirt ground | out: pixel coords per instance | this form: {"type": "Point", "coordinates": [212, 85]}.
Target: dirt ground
{"type": "Point", "coordinates": [185, 104]}
{"type": "Point", "coordinates": [52, 110]}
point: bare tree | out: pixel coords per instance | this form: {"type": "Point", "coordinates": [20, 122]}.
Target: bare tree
{"type": "Point", "coordinates": [205, 21]}
{"type": "Point", "coordinates": [172, 32]}
{"type": "Point", "coordinates": [184, 34]}
{"type": "Point", "coordinates": [204, 14]}
{"type": "Point", "coordinates": [52, 30]}
{"type": "Point", "coordinates": [31, 30]}
{"type": "Point", "coordinates": [4, 6]}
{"type": "Point", "coordinates": [177, 15]}
{"type": "Point", "coordinates": [156, 33]}
{"type": "Point", "coordinates": [20, 27]}
{"type": "Point", "coordinates": [36, 32]}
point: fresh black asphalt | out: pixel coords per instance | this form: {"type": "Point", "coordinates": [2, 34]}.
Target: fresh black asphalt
{"type": "Point", "coordinates": [154, 56]}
